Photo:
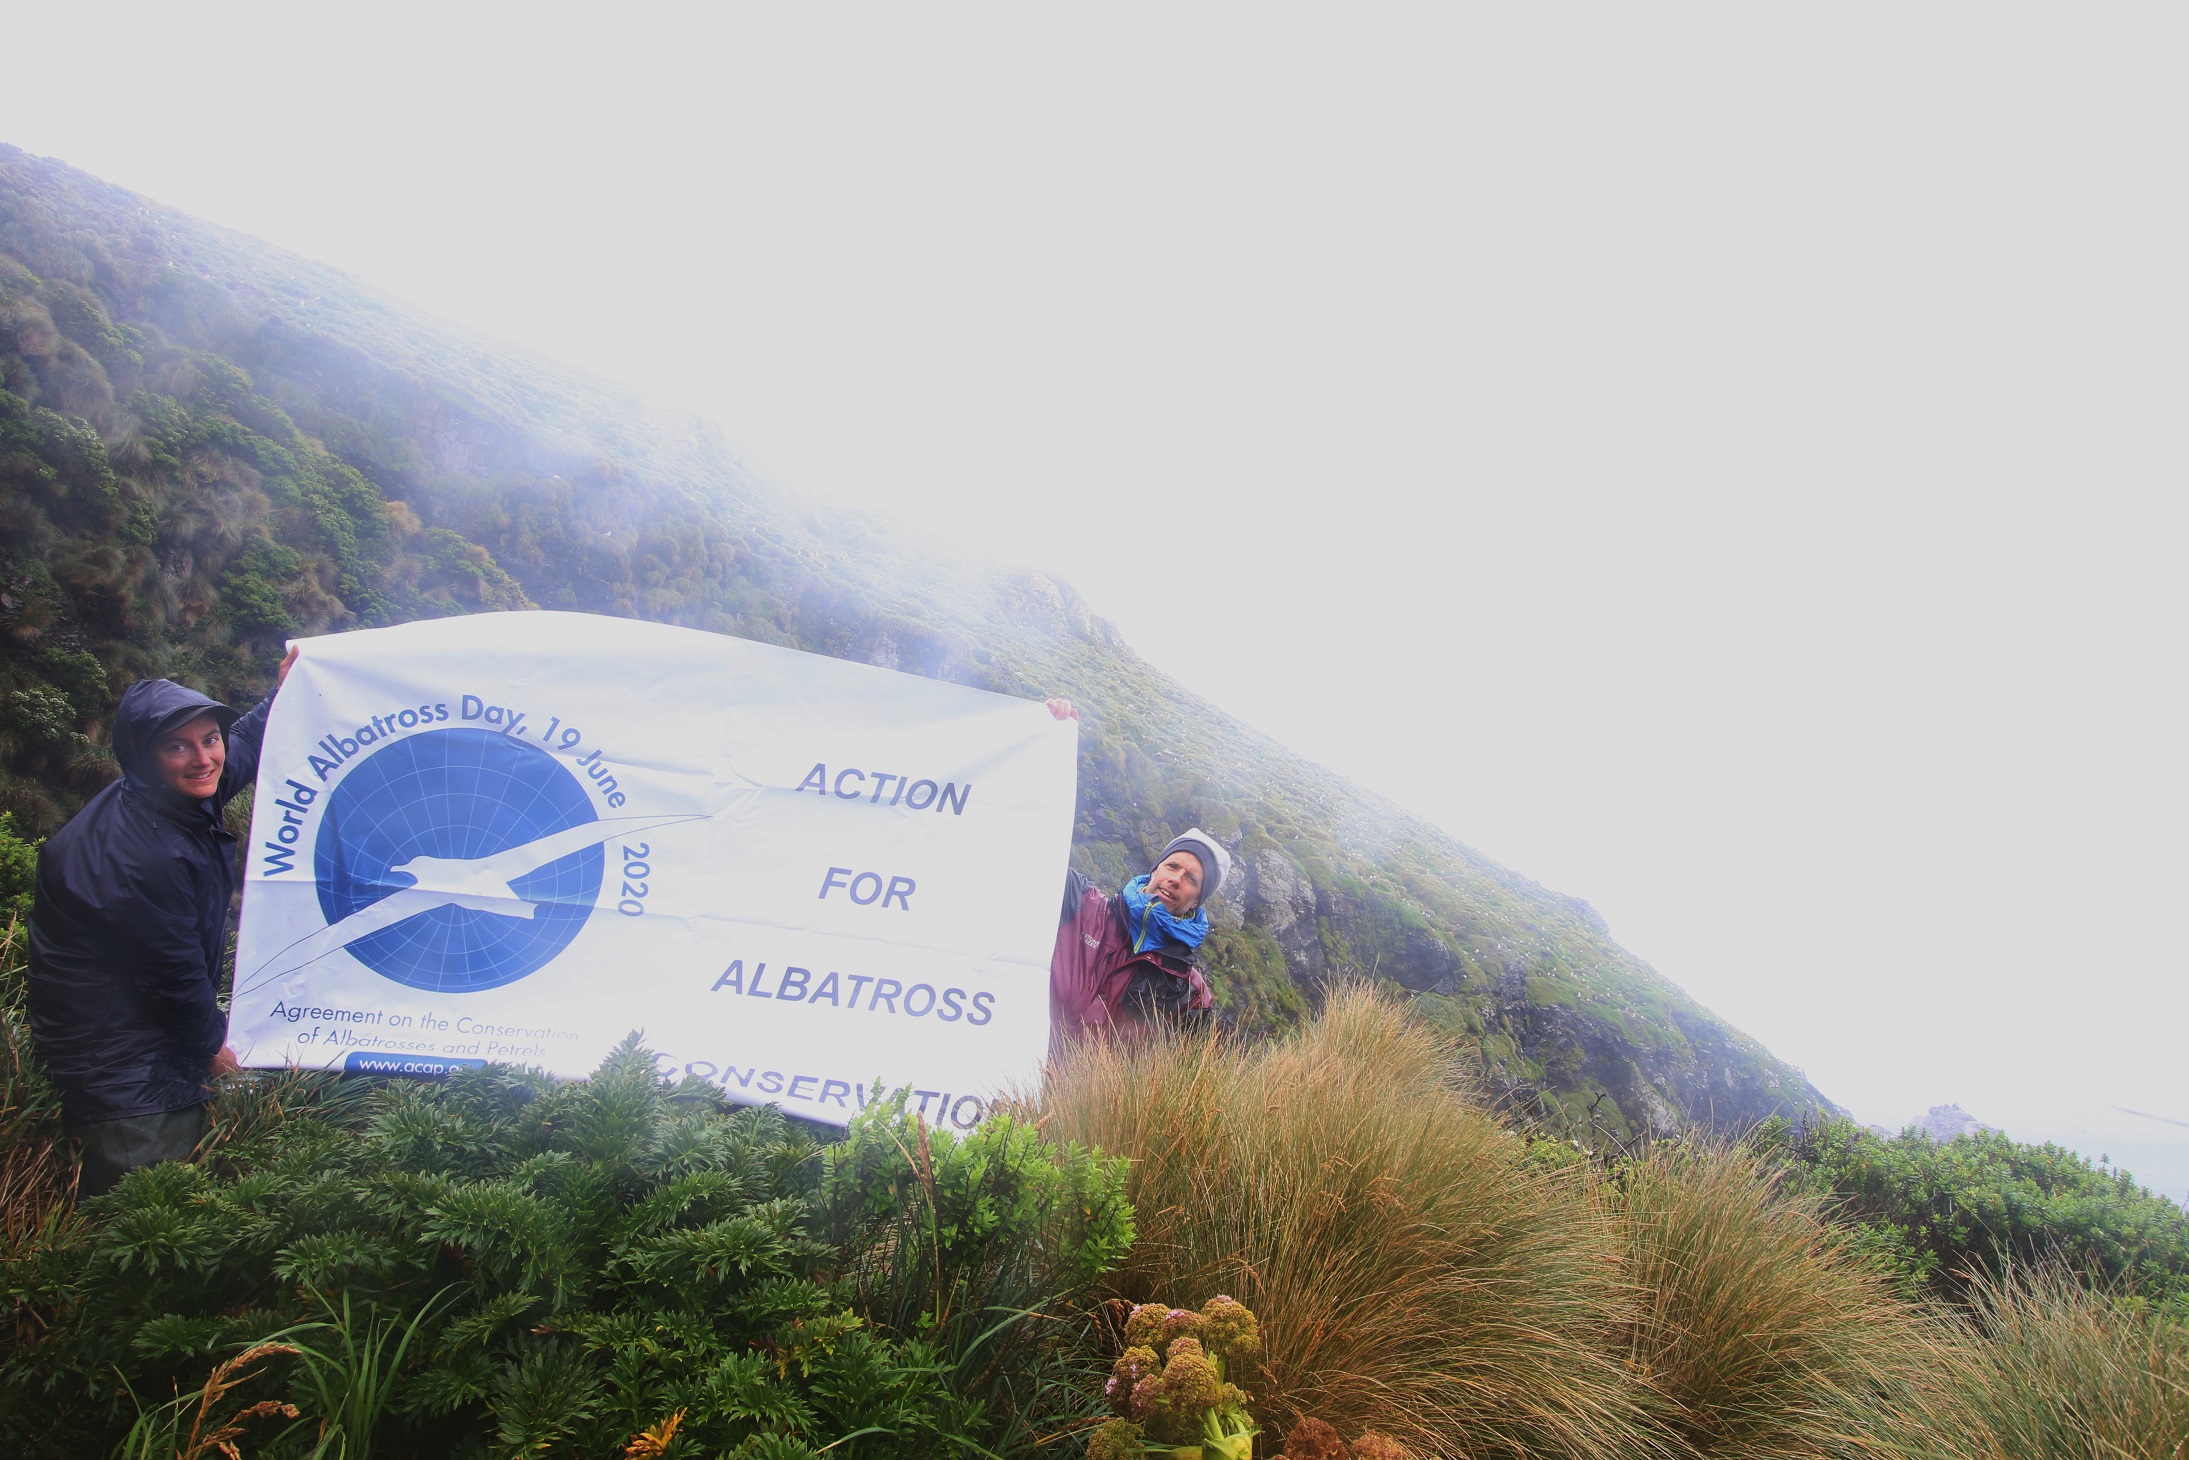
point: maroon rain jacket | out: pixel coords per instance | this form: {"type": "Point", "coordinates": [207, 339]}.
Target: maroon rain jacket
{"type": "Point", "coordinates": [1096, 981]}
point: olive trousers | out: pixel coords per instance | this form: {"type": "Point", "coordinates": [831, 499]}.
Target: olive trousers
{"type": "Point", "coordinates": [114, 1148]}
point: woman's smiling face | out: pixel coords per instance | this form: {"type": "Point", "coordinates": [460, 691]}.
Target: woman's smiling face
{"type": "Point", "coordinates": [192, 756]}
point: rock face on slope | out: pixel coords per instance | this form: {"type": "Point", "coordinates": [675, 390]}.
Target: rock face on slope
{"type": "Point", "coordinates": [1949, 1122]}
{"type": "Point", "coordinates": [207, 444]}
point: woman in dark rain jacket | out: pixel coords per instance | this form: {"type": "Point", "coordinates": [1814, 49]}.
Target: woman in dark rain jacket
{"type": "Point", "coordinates": [127, 926]}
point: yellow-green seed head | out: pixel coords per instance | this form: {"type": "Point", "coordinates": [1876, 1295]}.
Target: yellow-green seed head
{"type": "Point", "coordinates": [1191, 1385]}
{"type": "Point", "coordinates": [1144, 1329]}
{"type": "Point", "coordinates": [1116, 1439]}
{"type": "Point", "coordinates": [1230, 1328]}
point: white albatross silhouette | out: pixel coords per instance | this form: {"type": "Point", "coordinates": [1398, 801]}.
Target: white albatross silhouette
{"type": "Point", "coordinates": [479, 883]}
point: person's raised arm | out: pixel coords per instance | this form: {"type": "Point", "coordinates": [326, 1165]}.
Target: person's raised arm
{"type": "Point", "coordinates": [1075, 893]}
{"type": "Point", "coordinates": [249, 730]}
{"type": "Point", "coordinates": [1075, 886]}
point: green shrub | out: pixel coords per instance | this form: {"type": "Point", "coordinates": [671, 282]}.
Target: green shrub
{"type": "Point", "coordinates": [979, 1243]}
{"type": "Point", "coordinates": [37, 1168]}
{"type": "Point", "coordinates": [494, 1263]}
{"type": "Point", "coordinates": [502, 1264]}
{"type": "Point", "coordinates": [1938, 1214]}
{"type": "Point", "coordinates": [18, 878]}
{"type": "Point", "coordinates": [252, 588]}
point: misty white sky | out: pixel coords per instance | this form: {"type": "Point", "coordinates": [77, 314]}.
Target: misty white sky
{"type": "Point", "coordinates": [1726, 465]}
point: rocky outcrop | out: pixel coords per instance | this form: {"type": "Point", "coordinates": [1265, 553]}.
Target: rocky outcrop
{"type": "Point", "coordinates": [1281, 901]}
{"type": "Point", "coordinates": [1947, 1122]}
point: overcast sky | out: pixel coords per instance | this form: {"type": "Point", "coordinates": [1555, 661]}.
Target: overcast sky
{"type": "Point", "coordinates": [1723, 464]}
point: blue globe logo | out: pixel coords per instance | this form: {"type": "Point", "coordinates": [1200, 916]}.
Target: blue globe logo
{"type": "Point", "coordinates": [459, 795]}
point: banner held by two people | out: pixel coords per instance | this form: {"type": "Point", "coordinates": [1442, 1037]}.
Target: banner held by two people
{"type": "Point", "coordinates": [516, 837]}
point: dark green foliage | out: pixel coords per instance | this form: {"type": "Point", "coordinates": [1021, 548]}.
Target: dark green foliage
{"type": "Point", "coordinates": [976, 1242]}
{"type": "Point", "coordinates": [349, 1367]}
{"type": "Point", "coordinates": [30, 1108]}
{"type": "Point", "coordinates": [251, 593]}
{"type": "Point", "coordinates": [1938, 1215]}
{"type": "Point", "coordinates": [545, 1267]}
{"type": "Point", "coordinates": [158, 515]}
{"type": "Point", "coordinates": [501, 1263]}
{"type": "Point", "coordinates": [18, 876]}
{"type": "Point", "coordinates": [1256, 990]}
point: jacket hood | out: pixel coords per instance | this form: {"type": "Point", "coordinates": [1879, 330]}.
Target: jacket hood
{"type": "Point", "coordinates": [149, 709]}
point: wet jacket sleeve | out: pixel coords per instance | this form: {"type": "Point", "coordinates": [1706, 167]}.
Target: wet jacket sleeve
{"type": "Point", "coordinates": [1080, 960]}
{"type": "Point", "coordinates": [168, 963]}
{"type": "Point", "coordinates": [244, 738]}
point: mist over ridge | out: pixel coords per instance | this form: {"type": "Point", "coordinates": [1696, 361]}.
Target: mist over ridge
{"type": "Point", "coordinates": [212, 444]}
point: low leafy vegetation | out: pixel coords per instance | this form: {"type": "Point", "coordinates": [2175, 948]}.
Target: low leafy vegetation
{"type": "Point", "coordinates": [500, 1264]}
{"type": "Point", "coordinates": [1941, 1216]}
{"type": "Point", "coordinates": [505, 1264]}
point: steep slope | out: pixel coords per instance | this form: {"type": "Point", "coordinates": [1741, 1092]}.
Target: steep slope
{"type": "Point", "coordinates": [207, 445]}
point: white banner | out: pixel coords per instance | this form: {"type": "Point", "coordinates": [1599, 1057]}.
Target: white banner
{"type": "Point", "coordinates": [519, 836]}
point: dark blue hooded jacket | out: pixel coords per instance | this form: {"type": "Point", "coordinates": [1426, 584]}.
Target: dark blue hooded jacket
{"type": "Point", "coordinates": [128, 921]}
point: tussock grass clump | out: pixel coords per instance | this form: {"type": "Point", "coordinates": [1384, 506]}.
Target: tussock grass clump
{"type": "Point", "coordinates": [1759, 1334]}
{"type": "Point", "coordinates": [2062, 1370]}
{"type": "Point", "coordinates": [1411, 1276]}
{"type": "Point", "coordinates": [37, 1166]}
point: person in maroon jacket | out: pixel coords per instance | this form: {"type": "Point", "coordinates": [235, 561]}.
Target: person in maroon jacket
{"type": "Point", "coordinates": [1129, 963]}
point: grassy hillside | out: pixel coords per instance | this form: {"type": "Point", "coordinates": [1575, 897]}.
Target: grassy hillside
{"type": "Point", "coordinates": [207, 445]}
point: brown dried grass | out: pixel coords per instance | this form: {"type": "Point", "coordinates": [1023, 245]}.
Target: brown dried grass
{"type": "Point", "coordinates": [1411, 1275]}
{"type": "Point", "coordinates": [1759, 1336]}
{"type": "Point", "coordinates": [215, 1428]}
{"type": "Point", "coordinates": [2058, 1369]}
{"type": "Point", "coordinates": [37, 1164]}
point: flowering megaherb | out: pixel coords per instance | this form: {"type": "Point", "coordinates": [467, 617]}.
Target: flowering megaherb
{"type": "Point", "coordinates": [1313, 1439]}
{"type": "Point", "coordinates": [1171, 1387]}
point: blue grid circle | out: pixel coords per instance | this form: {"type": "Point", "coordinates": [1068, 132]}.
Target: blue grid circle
{"type": "Point", "coordinates": [457, 793]}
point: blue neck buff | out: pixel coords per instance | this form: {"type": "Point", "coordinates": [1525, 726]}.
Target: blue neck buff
{"type": "Point", "coordinates": [1152, 925]}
